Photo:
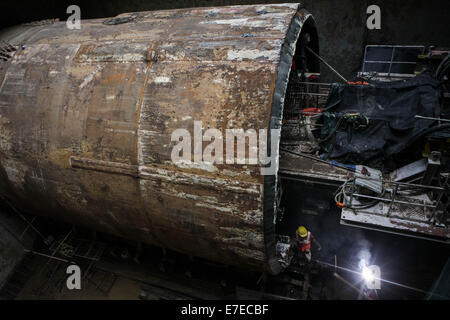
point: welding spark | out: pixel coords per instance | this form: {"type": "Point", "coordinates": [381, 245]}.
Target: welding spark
{"type": "Point", "coordinates": [367, 274]}
{"type": "Point", "coordinates": [382, 280]}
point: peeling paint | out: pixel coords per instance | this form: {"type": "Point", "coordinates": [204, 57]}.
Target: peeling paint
{"type": "Point", "coordinates": [252, 54]}
{"type": "Point", "coordinates": [207, 166]}
{"type": "Point", "coordinates": [101, 104]}
{"type": "Point", "coordinates": [162, 80]}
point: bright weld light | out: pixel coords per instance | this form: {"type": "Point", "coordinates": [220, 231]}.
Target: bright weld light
{"type": "Point", "coordinates": [367, 274]}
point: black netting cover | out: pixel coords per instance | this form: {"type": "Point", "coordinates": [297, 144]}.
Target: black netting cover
{"type": "Point", "coordinates": [377, 120]}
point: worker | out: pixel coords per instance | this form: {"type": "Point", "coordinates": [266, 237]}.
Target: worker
{"type": "Point", "coordinates": [304, 238]}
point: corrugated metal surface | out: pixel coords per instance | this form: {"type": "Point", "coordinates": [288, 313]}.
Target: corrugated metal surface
{"type": "Point", "coordinates": [86, 118]}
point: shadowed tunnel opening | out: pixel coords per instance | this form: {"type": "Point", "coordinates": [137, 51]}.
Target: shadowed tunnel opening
{"type": "Point", "coordinates": [291, 72]}
{"type": "Point", "coordinates": [410, 266]}
{"type": "Point", "coordinates": [404, 260]}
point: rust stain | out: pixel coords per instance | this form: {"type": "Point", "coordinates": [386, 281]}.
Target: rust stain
{"type": "Point", "coordinates": [101, 104]}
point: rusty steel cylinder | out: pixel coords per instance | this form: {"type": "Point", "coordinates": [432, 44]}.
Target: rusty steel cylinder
{"type": "Point", "coordinates": [86, 117]}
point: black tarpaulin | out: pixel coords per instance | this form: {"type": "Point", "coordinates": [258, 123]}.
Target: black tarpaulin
{"type": "Point", "coordinates": [389, 107]}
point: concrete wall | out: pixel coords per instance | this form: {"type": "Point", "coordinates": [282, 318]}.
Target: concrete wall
{"type": "Point", "coordinates": [343, 33]}
{"type": "Point", "coordinates": [341, 23]}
